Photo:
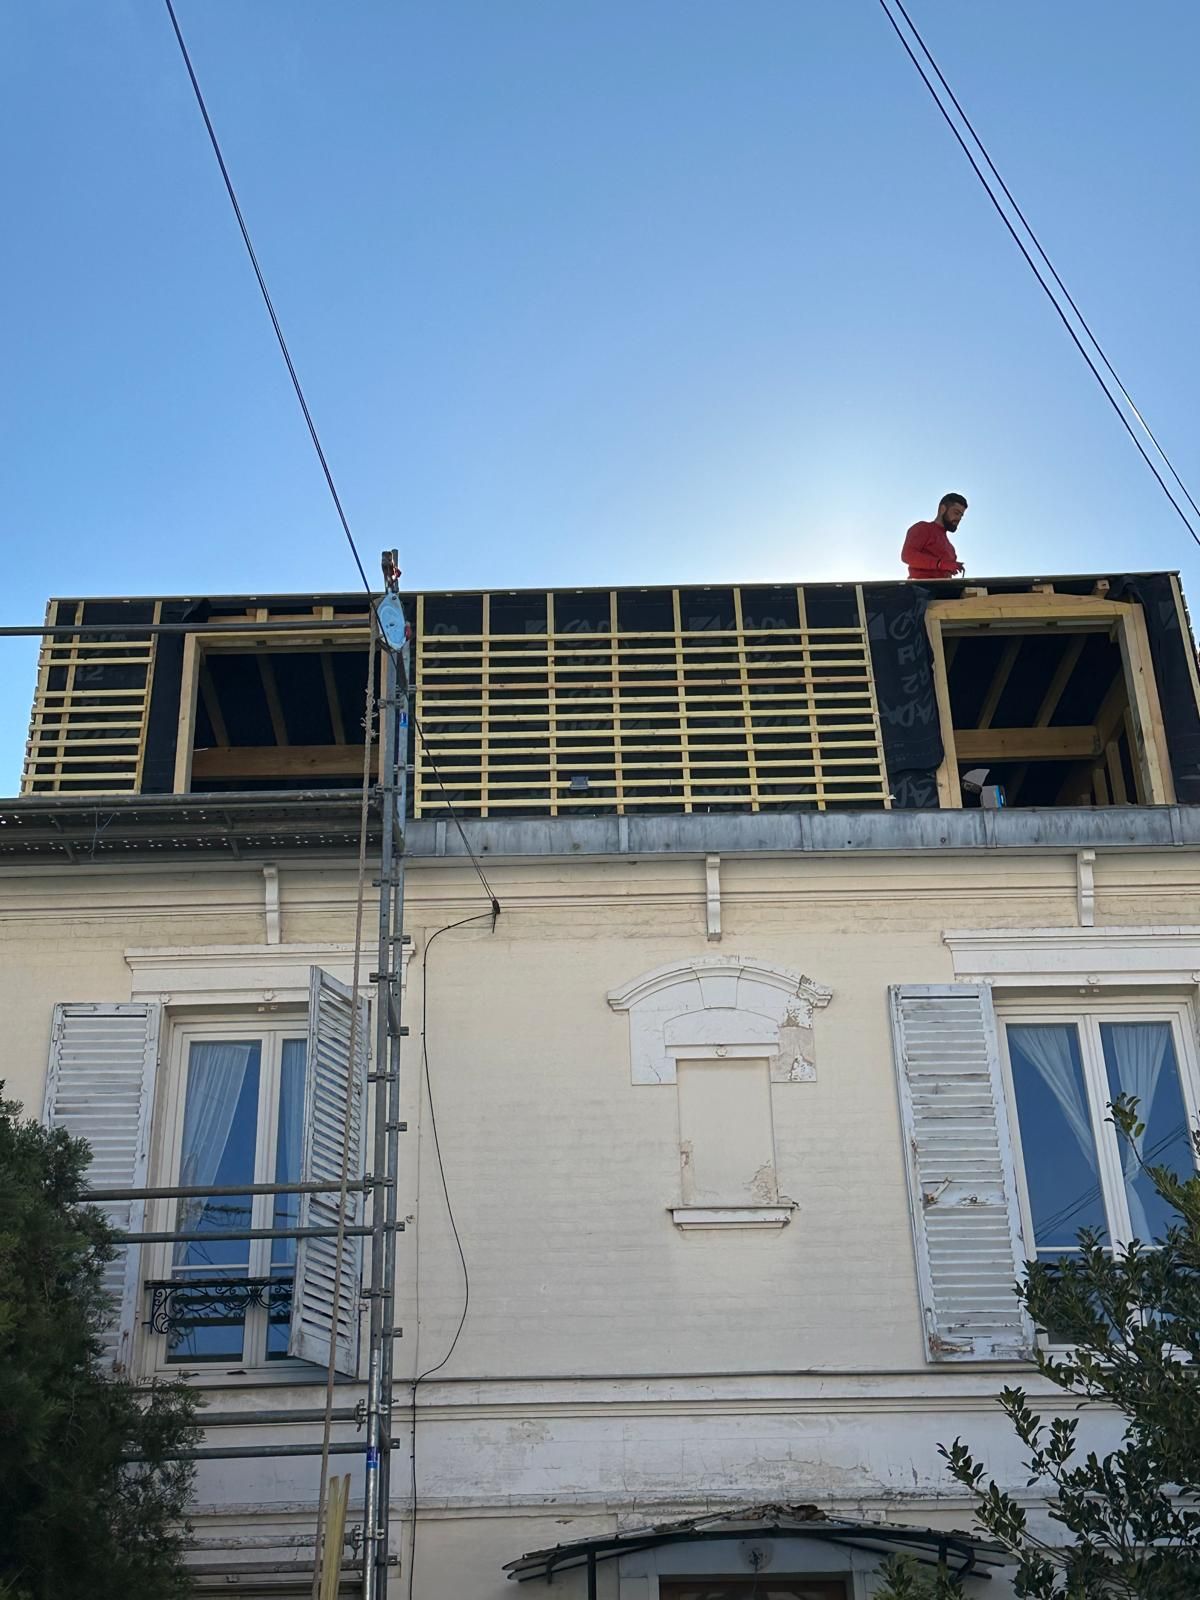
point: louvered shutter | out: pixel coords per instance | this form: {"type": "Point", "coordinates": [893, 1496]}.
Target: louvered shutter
{"type": "Point", "coordinates": [962, 1187]}
{"type": "Point", "coordinates": [100, 1088]}
{"type": "Point", "coordinates": [331, 1080]}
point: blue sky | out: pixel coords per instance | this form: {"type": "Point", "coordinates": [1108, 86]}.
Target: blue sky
{"type": "Point", "coordinates": [582, 292]}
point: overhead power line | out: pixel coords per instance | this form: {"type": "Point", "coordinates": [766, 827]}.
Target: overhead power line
{"type": "Point", "coordinates": [454, 817]}
{"type": "Point", "coordinates": [1037, 244]}
{"type": "Point", "coordinates": [1032, 264]}
{"type": "Point", "coordinates": [262, 284]}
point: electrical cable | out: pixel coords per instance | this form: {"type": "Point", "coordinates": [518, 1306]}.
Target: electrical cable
{"type": "Point", "coordinates": [487, 888]}
{"type": "Point", "coordinates": [1037, 244]}
{"type": "Point", "coordinates": [437, 1367]}
{"type": "Point", "coordinates": [1033, 267]}
{"type": "Point", "coordinates": [493, 912]}
{"type": "Point", "coordinates": [262, 284]}
{"type": "Point", "coordinates": [351, 1106]}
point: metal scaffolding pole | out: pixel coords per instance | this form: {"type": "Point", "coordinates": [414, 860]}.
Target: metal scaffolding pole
{"type": "Point", "coordinates": [209, 1191]}
{"type": "Point", "coordinates": [202, 1235]}
{"type": "Point", "coordinates": [389, 1031]}
{"type": "Point", "coordinates": [255, 1452]}
{"type": "Point", "coordinates": [379, 1183]}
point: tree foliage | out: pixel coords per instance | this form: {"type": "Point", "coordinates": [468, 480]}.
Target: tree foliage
{"type": "Point", "coordinates": [1129, 1324]}
{"type": "Point", "coordinates": [78, 1516]}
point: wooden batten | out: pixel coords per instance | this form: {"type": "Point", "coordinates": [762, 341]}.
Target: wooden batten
{"type": "Point", "coordinates": [87, 734]}
{"type": "Point", "coordinates": [739, 716]}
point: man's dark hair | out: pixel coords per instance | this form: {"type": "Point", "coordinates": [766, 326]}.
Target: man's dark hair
{"type": "Point", "coordinates": [953, 500]}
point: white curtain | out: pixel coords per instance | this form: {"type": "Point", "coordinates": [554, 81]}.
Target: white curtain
{"type": "Point", "coordinates": [1048, 1048]}
{"type": "Point", "coordinates": [1139, 1050]}
{"type": "Point", "coordinates": [287, 1146]}
{"type": "Point", "coordinates": [216, 1076]}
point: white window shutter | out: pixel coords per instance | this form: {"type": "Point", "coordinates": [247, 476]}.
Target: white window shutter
{"type": "Point", "coordinates": [331, 1080]}
{"type": "Point", "coordinates": [100, 1088]}
{"type": "Point", "coordinates": [961, 1178]}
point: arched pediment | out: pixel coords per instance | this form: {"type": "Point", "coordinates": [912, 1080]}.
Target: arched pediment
{"type": "Point", "coordinates": [721, 1006]}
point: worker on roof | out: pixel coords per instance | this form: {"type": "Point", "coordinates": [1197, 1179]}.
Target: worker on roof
{"type": "Point", "coordinates": [927, 551]}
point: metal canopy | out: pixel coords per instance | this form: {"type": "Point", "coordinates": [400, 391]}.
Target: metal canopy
{"type": "Point", "coordinates": [969, 1555]}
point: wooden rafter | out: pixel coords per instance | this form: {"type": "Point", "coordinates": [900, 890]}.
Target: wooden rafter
{"type": "Point", "coordinates": [1116, 773]}
{"type": "Point", "coordinates": [212, 704]}
{"type": "Point", "coordinates": [999, 681]}
{"type": "Point", "coordinates": [1068, 661]}
{"type": "Point", "coordinates": [266, 669]}
{"type": "Point", "coordinates": [1113, 708]}
{"type": "Point", "coordinates": [331, 695]}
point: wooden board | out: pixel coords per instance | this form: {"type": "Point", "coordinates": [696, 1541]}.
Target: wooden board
{"type": "Point", "coordinates": [226, 762]}
{"type": "Point", "coordinates": [1027, 744]}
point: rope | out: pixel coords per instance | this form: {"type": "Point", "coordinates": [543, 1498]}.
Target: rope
{"type": "Point", "coordinates": [348, 1125]}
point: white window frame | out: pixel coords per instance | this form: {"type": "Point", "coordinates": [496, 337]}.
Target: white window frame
{"type": "Point", "coordinates": [1086, 1013]}
{"type": "Point", "coordinates": [271, 1029]}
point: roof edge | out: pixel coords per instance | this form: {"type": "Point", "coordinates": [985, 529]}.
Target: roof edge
{"type": "Point", "coordinates": [265, 824]}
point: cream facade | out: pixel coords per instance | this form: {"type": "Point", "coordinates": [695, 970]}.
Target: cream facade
{"type": "Point", "coordinates": [670, 1106]}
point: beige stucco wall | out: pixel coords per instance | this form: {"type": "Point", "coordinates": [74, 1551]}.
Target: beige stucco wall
{"type": "Point", "coordinates": [612, 1365]}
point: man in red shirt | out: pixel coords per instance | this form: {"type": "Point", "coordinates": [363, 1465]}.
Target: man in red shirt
{"type": "Point", "coordinates": [927, 551]}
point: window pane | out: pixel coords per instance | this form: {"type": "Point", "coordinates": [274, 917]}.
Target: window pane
{"type": "Point", "coordinates": [1141, 1062]}
{"type": "Point", "coordinates": [287, 1206]}
{"type": "Point", "coordinates": [1061, 1171]}
{"type": "Point", "coordinates": [220, 1133]}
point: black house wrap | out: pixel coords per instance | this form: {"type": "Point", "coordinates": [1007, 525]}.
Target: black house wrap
{"type": "Point", "coordinates": [903, 666]}
{"type": "Point", "coordinates": [162, 725]}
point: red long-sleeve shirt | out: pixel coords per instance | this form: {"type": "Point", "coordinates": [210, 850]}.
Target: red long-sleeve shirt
{"type": "Point", "coordinates": [928, 552]}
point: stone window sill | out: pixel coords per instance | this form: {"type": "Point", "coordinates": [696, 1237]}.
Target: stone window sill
{"type": "Point", "coordinates": [776, 1216]}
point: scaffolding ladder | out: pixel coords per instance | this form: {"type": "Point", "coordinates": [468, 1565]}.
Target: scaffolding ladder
{"type": "Point", "coordinates": [378, 1182]}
